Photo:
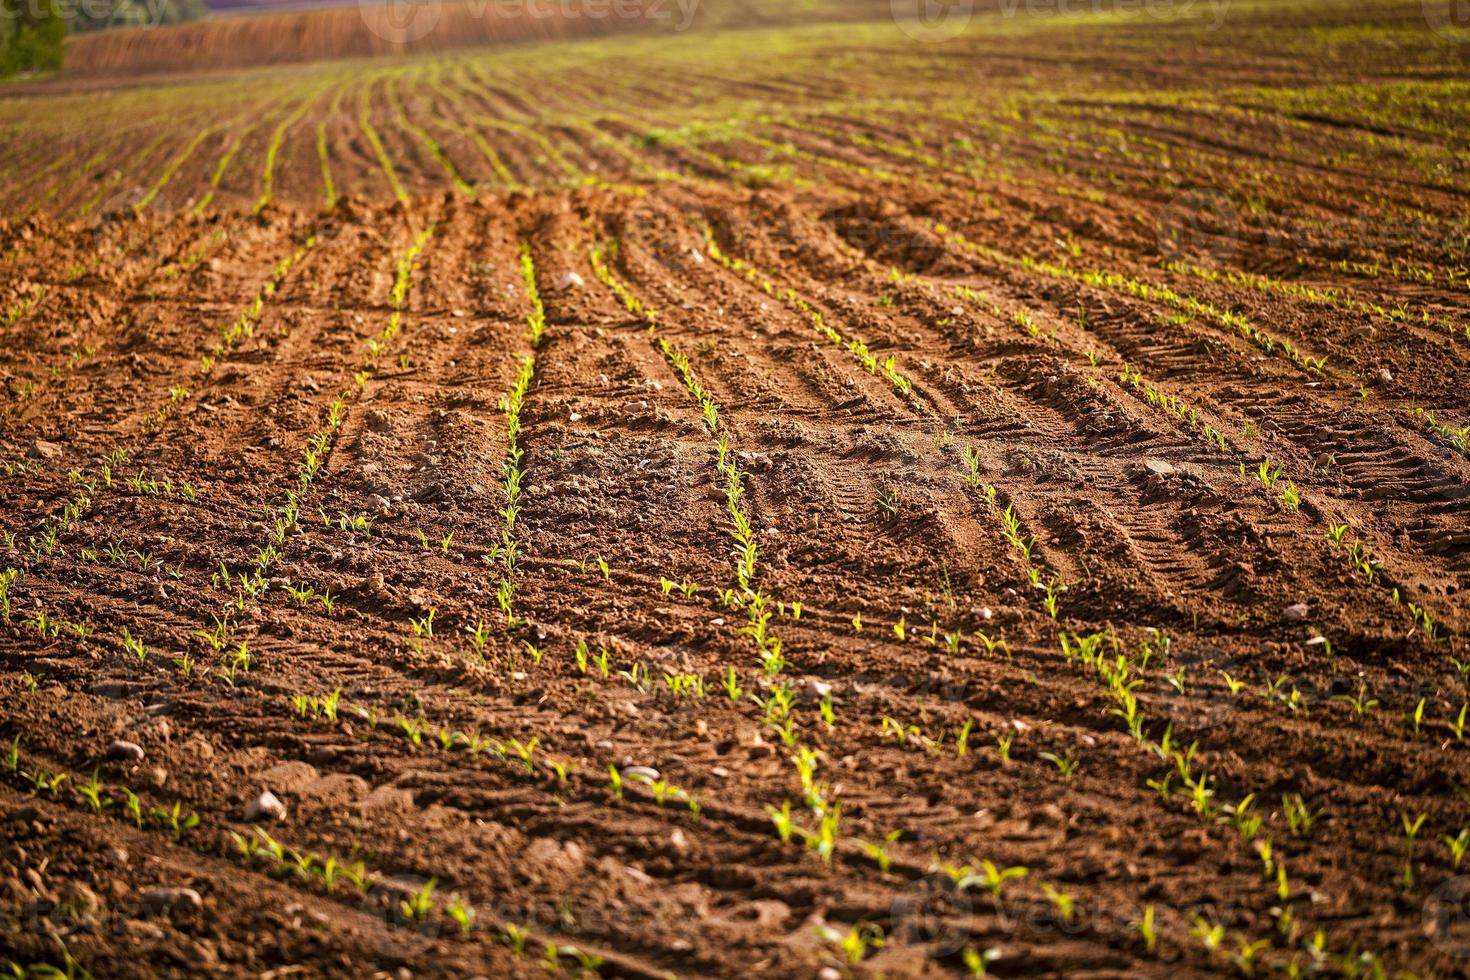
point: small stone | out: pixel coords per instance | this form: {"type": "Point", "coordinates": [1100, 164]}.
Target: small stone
{"type": "Point", "coordinates": [575, 417]}
{"type": "Point", "coordinates": [154, 727]}
{"type": "Point", "coordinates": [635, 406]}
{"type": "Point", "coordinates": [678, 839]}
{"type": "Point", "coordinates": [41, 449]}
{"type": "Point", "coordinates": [816, 689]}
{"type": "Point", "coordinates": [1295, 613]}
{"type": "Point", "coordinates": [1159, 468]}
{"type": "Point", "coordinates": [1385, 376]}
{"type": "Point", "coordinates": [266, 806]}
{"type": "Point", "coordinates": [641, 772]}
{"type": "Point", "coordinates": [570, 280]}
{"type": "Point", "coordinates": [121, 751]}
{"type": "Point", "coordinates": [186, 899]}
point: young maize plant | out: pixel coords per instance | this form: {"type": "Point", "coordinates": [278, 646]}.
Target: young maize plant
{"type": "Point", "coordinates": [427, 140]}
{"type": "Point", "coordinates": [1457, 438]}
{"type": "Point", "coordinates": [1402, 313]}
{"type": "Point", "coordinates": [1040, 577]}
{"type": "Point", "coordinates": [746, 550]}
{"type": "Point", "coordinates": [507, 553]}
{"type": "Point", "coordinates": [515, 472]}
{"type": "Point", "coordinates": [888, 367]}
{"type": "Point", "coordinates": [1132, 380]}
{"type": "Point", "coordinates": [14, 313]}
{"type": "Point", "coordinates": [1122, 675]}
{"type": "Point", "coordinates": [364, 122]}
{"type": "Point", "coordinates": [1362, 563]}
{"type": "Point", "coordinates": [1134, 287]}
{"type": "Point", "coordinates": [223, 165]}
{"type": "Point", "coordinates": [46, 541]}
{"type": "Point", "coordinates": [632, 303]}
{"type": "Point", "coordinates": [307, 867]}
{"type": "Point", "coordinates": [536, 319]}
{"type": "Point", "coordinates": [249, 586]}
{"type": "Point", "coordinates": [273, 150]}
{"type": "Point", "coordinates": [8, 578]}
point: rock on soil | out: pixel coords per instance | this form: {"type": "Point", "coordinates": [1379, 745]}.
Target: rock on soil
{"type": "Point", "coordinates": [266, 806]}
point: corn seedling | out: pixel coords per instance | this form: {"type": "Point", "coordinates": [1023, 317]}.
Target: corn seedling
{"type": "Point", "coordinates": [1242, 817]}
{"type": "Point", "coordinates": [461, 915]}
{"type": "Point", "coordinates": [856, 942]}
{"type": "Point", "coordinates": [8, 578]}
{"type": "Point", "coordinates": [176, 820]}
{"type": "Point", "coordinates": [1066, 765]}
{"type": "Point", "coordinates": [993, 878]}
{"type": "Point", "coordinates": [1412, 826]}
{"type": "Point", "coordinates": [515, 937]}
{"type": "Point", "coordinates": [978, 962]}
{"type": "Point", "coordinates": [879, 852]}
{"type": "Point", "coordinates": [91, 792]}
{"type": "Point", "coordinates": [1003, 746]}
{"type": "Point", "coordinates": [1458, 845]}
{"type": "Point", "coordinates": [1145, 930]}
{"type": "Point", "coordinates": [133, 645]}
{"type": "Point", "coordinates": [1361, 702]}
{"type": "Point", "coordinates": [1300, 818]}
{"type": "Point", "coordinates": [1061, 901]}
{"type": "Point", "coordinates": [420, 905]}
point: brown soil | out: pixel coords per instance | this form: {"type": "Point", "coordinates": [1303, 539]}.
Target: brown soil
{"type": "Point", "coordinates": [1104, 356]}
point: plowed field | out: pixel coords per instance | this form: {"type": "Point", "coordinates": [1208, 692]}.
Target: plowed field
{"type": "Point", "coordinates": [752, 503]}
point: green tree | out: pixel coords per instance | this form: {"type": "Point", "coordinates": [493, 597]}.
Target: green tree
{"type": "Point", "coordinates": [32, 33]}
